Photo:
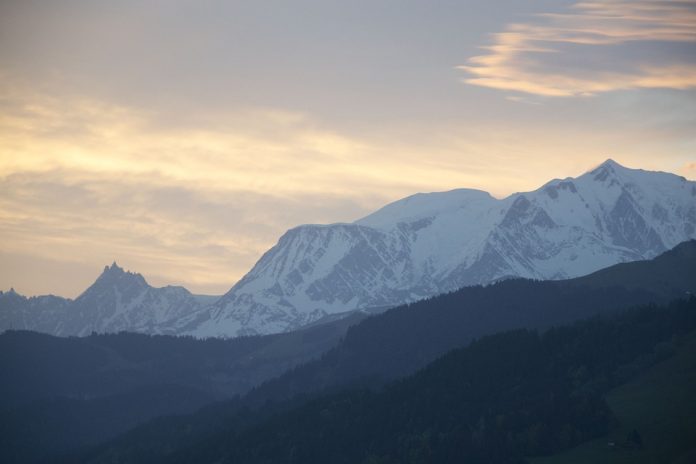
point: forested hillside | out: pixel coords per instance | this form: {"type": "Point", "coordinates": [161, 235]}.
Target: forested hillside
{"type": "Point", "coordinates": [503, 398]}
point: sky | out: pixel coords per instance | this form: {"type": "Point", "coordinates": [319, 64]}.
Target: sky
{"type": "Point", "coordinates": [182, 138]}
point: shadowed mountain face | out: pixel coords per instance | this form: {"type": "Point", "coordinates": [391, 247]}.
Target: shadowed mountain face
{"type": "Point", "coordinates": [429, 244]}
{"type": "Point", "coordinates": [417, 247]}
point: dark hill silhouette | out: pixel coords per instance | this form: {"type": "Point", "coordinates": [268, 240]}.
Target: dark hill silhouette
{"type": "Point", "coordinates": [77, 391]}
{"type": "Point", "coordinates": [499, 400]}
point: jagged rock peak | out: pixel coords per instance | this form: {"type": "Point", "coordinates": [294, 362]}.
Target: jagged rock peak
{"type": "Point", "coordinates": [11, 293]}
{"type": "Point", "coordinates": [115, 268]}
{"type": "Point", "coordinates": [114, 274]}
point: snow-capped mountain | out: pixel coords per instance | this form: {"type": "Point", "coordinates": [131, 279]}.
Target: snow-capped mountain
{"type": "Point", "coordinates": [117, 301]}
{"type": "Point", "coordinates": [427, 244]}
{"type": "Point", "coordinates": [416, 247]}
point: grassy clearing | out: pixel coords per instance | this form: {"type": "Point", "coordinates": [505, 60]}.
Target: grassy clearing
{"type": "Point", "coordinates": [661, 405]}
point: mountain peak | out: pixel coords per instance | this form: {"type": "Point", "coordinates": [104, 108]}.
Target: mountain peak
{"type": "Point", "coordinates": [116, 275]}
{"type": "Point", "coordinates": [10, 292]}
{"type": "Point", "coordinates": [610, 163]}
{"type": "Point", "coordinates": [608, 169]}
{"type": "Point", "coordinates": [113, 269]}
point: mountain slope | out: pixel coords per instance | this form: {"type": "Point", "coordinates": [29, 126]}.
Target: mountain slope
{"type": "Point", "coordinates": [429, 244]}
{"type": "Point", "coordinates": [659, 405]}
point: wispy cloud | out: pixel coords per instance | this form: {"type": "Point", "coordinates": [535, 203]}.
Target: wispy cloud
{"type": "Point", "coordinates": [520, 99]}
{"type": "Point", "coordinates": [172, 233]}
{"type": "Point", "coordinates": [597, 46]}
{"type": "Point", "coordinates": [84, 182]}
{"type": "Point", "coordinates": [197, 200]}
